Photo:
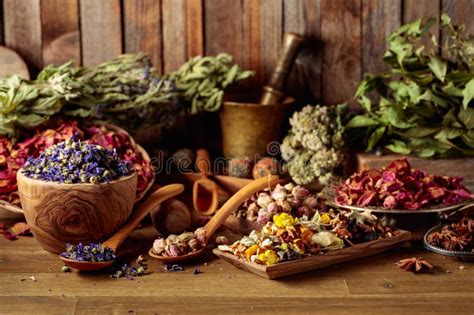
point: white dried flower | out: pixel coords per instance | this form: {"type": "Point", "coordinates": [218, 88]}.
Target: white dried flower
{"type": "Point", "coordinates": [313, 146]}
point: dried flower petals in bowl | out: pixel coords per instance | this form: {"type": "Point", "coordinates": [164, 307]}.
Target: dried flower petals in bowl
{"type": "Point", "coordinates": [398, 187]}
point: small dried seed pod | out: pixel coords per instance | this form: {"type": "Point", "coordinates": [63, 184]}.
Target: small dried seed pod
{"type": "Point", "coordinates": [239, 167]}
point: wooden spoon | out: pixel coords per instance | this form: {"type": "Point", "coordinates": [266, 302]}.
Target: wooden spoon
{"type": "Point", "coordinates": [227, 209]}
{"type": "Point", "coordinates": [153, 201]}
{"type": "Point", "coordinates": [205, 196]}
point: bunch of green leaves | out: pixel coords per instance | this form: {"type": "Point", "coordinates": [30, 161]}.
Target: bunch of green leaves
{"type": "Point", "coordinates": [202, 80]}
{"type": "Point", "coordinates": [424, 103]}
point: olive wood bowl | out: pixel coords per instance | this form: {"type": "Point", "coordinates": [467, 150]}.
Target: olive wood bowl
{"type": "Point", "coordinates": [61, 213]}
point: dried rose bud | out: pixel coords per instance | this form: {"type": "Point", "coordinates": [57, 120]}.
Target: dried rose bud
{"type": "Point", "coordinates": [289, 186]}
{"type": "Point", "coordinates": [279, 193]}
{"type": "Point", "coordinates": [272, 207]}
{"type": "Point", "coordinates": [284, 205]}
{"type": "Point", "coordinates": [293, 202]}
{"type": "Point", "coordinates": [310, 202]}
{"type": "Point", "coordinates": [193, 244]}
{"type": "Point", "coordinates": [300, 192]}
{"type": "Point", "coordinates": [159, 245]}
{"type": "Point", "coordinates": [222, 240]}
{"type": "Point", "coordinates": [173, 250]}
{"type": "Point", "coordinates": [263, 217]}
{"type": "Point", "coordinates": [253, 208]}
{"type": "Point", "coordinates": [264, 200]}
{"type": "Point", "coordinates": [201, 236]}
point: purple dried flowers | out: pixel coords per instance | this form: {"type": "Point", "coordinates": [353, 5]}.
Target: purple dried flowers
{"type": "Point", "coordinates": [94, 252]}
{"type": "Point", "coordinates": [73, 161]}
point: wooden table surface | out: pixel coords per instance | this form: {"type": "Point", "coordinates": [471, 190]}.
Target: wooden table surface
{"type": "Point", "coordinates": [371, 286]}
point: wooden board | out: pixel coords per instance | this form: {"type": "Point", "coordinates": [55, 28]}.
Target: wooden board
{"type": "Point", "coordinates": [12, 63]}
{"type": "Point", "coordinates": [60, 32]}
{"type": "Point", "coordinates": [23, 29]}
{"type": "Point", "coordinates": [174, 34]}
{"type": "Point", "coordinates": [101, 30]}
{"type": "Point", "coordinates": [194, 28]}
{"type": "Point", "coordinates": [463, 167]}
{"type": "Point", "coordinates": [341, 36]}
{"type": "Point", "coordinates": [304, 81]}
{"type": "Point", "coordinates": [364, 286]}
{"type": "Point", "coordinates": [379, 19]}
{"type": "Point", "coordinates": [414, 9]}
{"type": "Point", "coordinates": [317, 261]}
{"type": "Point", "coordinates": [142, 29]}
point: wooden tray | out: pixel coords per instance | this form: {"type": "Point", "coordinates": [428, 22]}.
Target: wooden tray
{"type": "Point", "coordinates": [317, 261]}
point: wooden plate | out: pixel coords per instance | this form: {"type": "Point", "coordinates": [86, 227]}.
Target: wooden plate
{"type": "Point", "coordinates": [317, 261]}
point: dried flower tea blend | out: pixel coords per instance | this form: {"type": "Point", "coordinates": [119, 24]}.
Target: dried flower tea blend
{"type": "Point", "coordinates": [398, 186]}
{"type": "Point", "coordinates": [288, 238]}
{"type": "Point", "coordinates": [74, 161]}
{"type": "Point", "coordinates": [94, 252]}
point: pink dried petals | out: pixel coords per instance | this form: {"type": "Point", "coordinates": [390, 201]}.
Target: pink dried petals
{"type": "Point", "coordinates": [398, 186]}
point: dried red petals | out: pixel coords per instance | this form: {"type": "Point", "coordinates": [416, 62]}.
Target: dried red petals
{"type": "Point", "coordinates": [398, 186]}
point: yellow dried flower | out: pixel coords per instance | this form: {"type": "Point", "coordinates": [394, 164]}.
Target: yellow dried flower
{"type": "Point", "coordinates": [325, 218]}
{"type": "Point", "coordinates": [268, 258]}
{"type": "Point", "coordinates": [251, 251]}
{"type": "Point", "coordinates": [284, 220]}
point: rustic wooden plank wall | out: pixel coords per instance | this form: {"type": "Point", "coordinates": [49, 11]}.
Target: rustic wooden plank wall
{"type": "Point", "coordinates": [346, 36]}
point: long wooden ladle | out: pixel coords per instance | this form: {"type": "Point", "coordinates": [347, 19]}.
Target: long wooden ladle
{"type": "Point", "coordinates": [153, 201]}
{"type": "Point", "coordinates": [227, 209]}
{"type": "Point", "coordinates": [205, 196]}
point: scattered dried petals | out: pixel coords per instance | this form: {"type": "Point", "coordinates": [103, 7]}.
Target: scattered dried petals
{"type": "Point", "coordinates": [173, 267]}
{"type": "Point", "coordinates": [65, 268]}
{"type": "Point", "coordinates": [9, 235]}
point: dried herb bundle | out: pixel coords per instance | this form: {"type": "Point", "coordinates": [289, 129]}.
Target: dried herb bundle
{"type": "Point", "coordinates": [126, 91]}
{"type": "Point", "coordinates": [424, 101]}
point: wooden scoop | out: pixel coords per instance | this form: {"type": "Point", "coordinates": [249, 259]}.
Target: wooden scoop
{"type": "Point", "coordinates": [205, 196]}
{"type": "Point", "coordinates": [153, 201]}
{"type": "Point", "coordinates": [227, 209]}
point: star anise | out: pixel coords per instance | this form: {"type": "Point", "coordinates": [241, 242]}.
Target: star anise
{"type": "Point", "coordinates": [415, 264]}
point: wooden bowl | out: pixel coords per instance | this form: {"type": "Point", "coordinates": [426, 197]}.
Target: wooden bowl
{"type": "Point", "coordinates": [72, 213]}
